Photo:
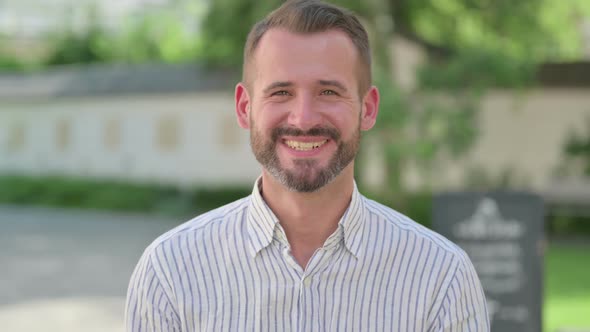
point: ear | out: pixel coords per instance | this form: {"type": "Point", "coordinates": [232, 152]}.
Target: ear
{"type": "Point", "coordinates": [242, 100]}
{"type": "Point", "coordinates": [370, 108]}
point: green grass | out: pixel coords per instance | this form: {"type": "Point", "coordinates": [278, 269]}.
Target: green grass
{"type": "Point", "coordinates": [567, 287]}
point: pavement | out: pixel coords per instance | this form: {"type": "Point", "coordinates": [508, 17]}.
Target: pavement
{"type": "Point", "coordinates": [68, 270]}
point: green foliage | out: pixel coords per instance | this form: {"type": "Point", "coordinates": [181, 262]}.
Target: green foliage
{"type": "Point", "coordinates": [154, 37]}
{"type": "Point", "coordinates": [410, 130]}
{"type": "Point", "coordinates": [504, 25]}
{"type": "Point", "coordinates": [477, 70]}
{"type": "Point", "coordinates": [492, 44]}
{"type": "Point", "coordinates": [530, 30]}
{"type": "Point", "coordinates": [73, 48]}
{"type": "Point", "coordinates": [71, 45]}
{"type": "Point", "coordinates": [228, 22]}
{"type": "Point", "coordinates": [11, 63]}
{"type": "Point", "coordinates": [561, 20]}
{"type": "Point", "coordinates": [568, 225]}
{"type": "Point", "coordinates": [113, 195]}
{"type": "Point", "coordinates": [159, 36]}
{"type": "Point", "coordinates": [577, 150]}
{"type": "Point", "coordinates": [211, 198]}
{"type": "Point", "coordinates": [417, 206]}
{"type": "Point", "coordinates": [109, 195]}
{"type": "Point", "coordinates": [420, 129]}
{"type": "Point", "coordinates": [508, 36]}
{"type": "Point", "coordinates": [80, 193]}
{"type": "Point", "coordinates": [226, 27]}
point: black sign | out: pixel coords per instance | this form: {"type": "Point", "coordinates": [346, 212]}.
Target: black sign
{"type": "Point", "coordinates": [502, 233]}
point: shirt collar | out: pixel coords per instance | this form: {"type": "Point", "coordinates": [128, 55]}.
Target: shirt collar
{"type": "Point", "coordinates": [262, 222]}
{"type": "Point", "coordinates": [353, 223]}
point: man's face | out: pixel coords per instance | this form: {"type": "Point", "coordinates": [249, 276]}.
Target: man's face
{"type": "Point", "coordinates": [303, 107]}
{"type": "Point", "coordinates": [306, 174]}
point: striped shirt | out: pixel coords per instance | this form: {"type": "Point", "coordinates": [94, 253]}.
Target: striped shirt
{"type": "Point", "coordinates": [231, 270]}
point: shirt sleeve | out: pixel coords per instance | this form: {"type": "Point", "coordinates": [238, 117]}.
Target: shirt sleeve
{"type": "Point", "coordinates": [464, 305]}
{"type": "Point", "coordinates": [148, 307]}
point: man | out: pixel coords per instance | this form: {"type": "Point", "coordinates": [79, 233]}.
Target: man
{"type": "Point", "coordinates": [306, 251]}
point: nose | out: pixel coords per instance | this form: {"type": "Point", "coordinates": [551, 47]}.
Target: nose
{"type": "Point", "coordinates": [304, 114]}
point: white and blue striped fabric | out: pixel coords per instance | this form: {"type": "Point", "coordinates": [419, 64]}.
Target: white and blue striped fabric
{"type": "Point", "coordinates": [231, 270]}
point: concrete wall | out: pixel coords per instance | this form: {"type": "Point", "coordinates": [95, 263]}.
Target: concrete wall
{"type": "Point", "coordinates": [176, 124]}
{"type": "Point", "coordinates": [171, 138]}
{"type": "Point", "coordinates": [520, 133]}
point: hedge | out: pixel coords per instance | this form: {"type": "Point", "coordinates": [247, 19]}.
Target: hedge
{"type": "Point", "coordinates": [98, 194]}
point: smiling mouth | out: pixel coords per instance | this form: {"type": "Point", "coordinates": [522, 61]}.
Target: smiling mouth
{"type": "Point", "coordinates": [304, 146]}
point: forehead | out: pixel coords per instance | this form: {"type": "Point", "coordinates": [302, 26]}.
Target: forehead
{"type": "Point", "coordinates": [280, 37]}
{"type": "Point", "coordinates": [286, 55]}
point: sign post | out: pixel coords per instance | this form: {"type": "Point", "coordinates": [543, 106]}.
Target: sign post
{"type": "Point", "coordinates": [502, 232]}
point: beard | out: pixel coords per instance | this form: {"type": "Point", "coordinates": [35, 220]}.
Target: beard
{"type": "Point", "coordinates": [306, 175]}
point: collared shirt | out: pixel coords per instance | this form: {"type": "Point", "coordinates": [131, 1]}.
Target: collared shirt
{"type": "Point", "coordinates": [231, 269]}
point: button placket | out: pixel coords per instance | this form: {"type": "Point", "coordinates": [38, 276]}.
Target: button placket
{"type": "Point", "coordinates": [291, 260]}
{"type": "Point", "coordinates": [307, 281]}
{"type": "Point", "coordinates": [319, 259]}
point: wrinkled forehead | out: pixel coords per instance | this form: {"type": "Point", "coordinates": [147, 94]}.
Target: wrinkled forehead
{"type": "Point", "coordinates": [282, 54]}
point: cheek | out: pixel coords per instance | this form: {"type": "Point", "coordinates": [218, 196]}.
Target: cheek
{"type": "Point", "coordinates": [345, 120]}
{"type": "Point", "coordinates": [270, 117]}
{"type": "Point", "coordinates": [265, 125]}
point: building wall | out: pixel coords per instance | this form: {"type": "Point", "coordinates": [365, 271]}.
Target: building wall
{"type": "Point", "coordinates": [521, 134]}
{"type": "Point", "coordinates": [193, 138]}
{"type": "Point", "coordinates": [34, 18]}
{"type": "Point", "coordinates": [528, 132]}
{"type": "Point", "coordinates": [183, 139]}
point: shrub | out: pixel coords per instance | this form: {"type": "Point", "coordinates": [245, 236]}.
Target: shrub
{"type": "Point", "coordinates": [113, 195]}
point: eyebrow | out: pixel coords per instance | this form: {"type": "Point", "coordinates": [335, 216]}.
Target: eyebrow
{"type": "Point", "coordinates": [334, 84]}
{"type": "Point", "coordinates": [274, 85]}
{"type": "Point", "coordinates": [286, 84]}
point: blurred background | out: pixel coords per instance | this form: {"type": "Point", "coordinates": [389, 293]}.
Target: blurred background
{"type": "Point", "coordinates": [117, 123]}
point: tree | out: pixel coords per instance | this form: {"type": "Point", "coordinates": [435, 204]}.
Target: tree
{"type": "Point", "coordinates": [473, 44]}
{"type": "Point", "coordinates": [577, 152]}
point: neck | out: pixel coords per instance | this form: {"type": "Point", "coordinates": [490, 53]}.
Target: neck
{"type": "Point", "coordinates": [309, 218]}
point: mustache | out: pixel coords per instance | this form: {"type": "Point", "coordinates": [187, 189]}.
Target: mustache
{"type": "Point", "coordinates": [331, 133]}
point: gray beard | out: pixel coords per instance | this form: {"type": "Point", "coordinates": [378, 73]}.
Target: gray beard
{"type": "Point", "coordinates": [307, 177]}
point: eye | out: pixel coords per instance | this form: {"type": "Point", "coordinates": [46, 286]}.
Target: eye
{"type": "Point", "coordinates": [280, 93]}
{"type": "Point", "coordinates": [329, 93]}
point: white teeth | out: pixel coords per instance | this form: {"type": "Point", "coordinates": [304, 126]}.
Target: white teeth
{"type": "Point", "coordinates": [305, 146]}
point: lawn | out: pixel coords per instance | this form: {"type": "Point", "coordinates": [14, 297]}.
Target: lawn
{"type": "Point", "coordinates": [567, 287]}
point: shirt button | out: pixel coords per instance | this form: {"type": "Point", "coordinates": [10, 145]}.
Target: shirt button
{"type": "Point", "coordinates": [307, 281]}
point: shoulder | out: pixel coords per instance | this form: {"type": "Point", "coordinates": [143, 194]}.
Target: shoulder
{"type": "Point", "coordinates": [399, 223]}
{"type": "Point", "coordinates": [213, 221]}
{"type": "Point", "coordinates": [423, 248]}
{"type": "Point", "coordinates": [169, 256]}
